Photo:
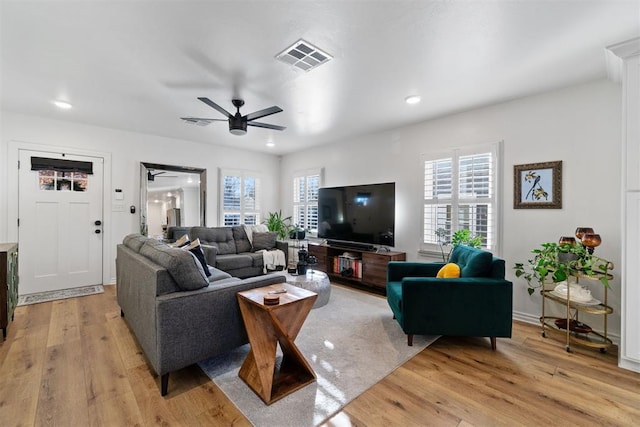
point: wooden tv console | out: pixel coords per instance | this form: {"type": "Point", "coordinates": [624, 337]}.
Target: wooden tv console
{"type": "Point", "coordinates": [374, 264]}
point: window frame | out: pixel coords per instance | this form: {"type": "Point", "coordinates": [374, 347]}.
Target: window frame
{"type": "Point", "coordinates": [244, 211]}
{"type": "Point", "coordinates": [495, 201]}
{"type": "Point", "coordinates": [306, 204]}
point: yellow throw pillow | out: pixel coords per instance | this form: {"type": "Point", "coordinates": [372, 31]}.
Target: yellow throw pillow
{"type": "Point", "coordinates": [449, 271]}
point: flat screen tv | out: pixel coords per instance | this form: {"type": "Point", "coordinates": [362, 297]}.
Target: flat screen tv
{"type": "Point", "coordinates": [358, 214]}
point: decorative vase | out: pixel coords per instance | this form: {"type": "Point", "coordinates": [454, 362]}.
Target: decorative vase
{"type": "Point", "coordinates": [581, 231]}
{"type": "Point", "coordinates": [297, 235]}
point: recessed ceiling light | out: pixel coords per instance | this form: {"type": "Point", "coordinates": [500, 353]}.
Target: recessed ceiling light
{"type": "Point", "coordinates": [271, 144]}
{"type": "Point", "coordinates": [62, 104]}
{"type": "Point", "coordinates": [413, 99]}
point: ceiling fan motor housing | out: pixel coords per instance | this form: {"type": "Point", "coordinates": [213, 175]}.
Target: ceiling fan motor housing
{"type": "Point", "coordinates": [237, 126]}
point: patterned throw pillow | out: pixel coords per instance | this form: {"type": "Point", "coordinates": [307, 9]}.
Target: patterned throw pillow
{"type": "Point", "coordinates": [182, 265]}
{"type": "Point", "coordinates": [449, 271]}
{"type": "Point", "coordinates": [195, 248]}
{"type": "Point", "coordinates": [182, 241]}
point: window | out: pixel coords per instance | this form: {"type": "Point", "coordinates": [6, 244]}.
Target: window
{"type": "Point", "coordinates": [459, 193]}
{"type": "Point", "coordinates": [51, 180]}
{"type": "Point", "coordinates": [305, 198]}
{"type": "Point", "coordinates": [240, 198]}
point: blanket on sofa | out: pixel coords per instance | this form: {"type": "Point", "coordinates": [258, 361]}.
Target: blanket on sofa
{"type": "Point", "coordinates": [271, 259]}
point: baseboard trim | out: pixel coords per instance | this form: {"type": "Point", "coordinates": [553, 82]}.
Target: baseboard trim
{"type": "Point", "coordinates": [628, 364]}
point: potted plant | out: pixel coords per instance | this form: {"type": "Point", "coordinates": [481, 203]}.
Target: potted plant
{"type": "Point", "coordinates": [460, 237]}
{"type": "Point", "coordinates": [297, 232]}
{"type": "Point", "coordinates": [559, 261]}
{"type": "Point", "coordinates": [277, 223]}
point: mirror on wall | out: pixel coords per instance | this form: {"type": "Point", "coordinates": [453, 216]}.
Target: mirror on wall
{"type": "Point", "coordinates": [171, 196]}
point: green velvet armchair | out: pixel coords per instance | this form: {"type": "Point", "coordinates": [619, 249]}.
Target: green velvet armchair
{"type": "Point", "coordinates": [479, 303]}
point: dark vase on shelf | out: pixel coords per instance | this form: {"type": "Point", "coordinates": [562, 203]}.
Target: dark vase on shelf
{"type": "Point", "coordinates": [297, 235]}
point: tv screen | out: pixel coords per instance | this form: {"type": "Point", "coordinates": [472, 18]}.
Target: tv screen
{"type": "Point", "coordinates": [358, 213]}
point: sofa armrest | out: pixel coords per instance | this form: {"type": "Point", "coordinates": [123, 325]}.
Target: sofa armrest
{"type": "Point", "coordinates": [210, 254]}
{"type": "Point", "coordinates": [397, 270]}
{"type": "Point", "coordinates": [284, 247]}
{"type": "Point", "coordinates": [195, 325]}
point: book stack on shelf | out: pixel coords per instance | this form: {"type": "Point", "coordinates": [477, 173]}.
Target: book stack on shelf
{"type": "Point", "coordinates": [348, 264]}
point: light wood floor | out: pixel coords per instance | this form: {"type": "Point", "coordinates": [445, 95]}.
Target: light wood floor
{"type": "Point", "coordinates": [75, 363]}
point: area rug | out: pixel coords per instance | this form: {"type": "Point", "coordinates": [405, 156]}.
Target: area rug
{"type": "Point", "coordinates": [351, 343]}
{"type": "Point", "coordinates": [59, 294]}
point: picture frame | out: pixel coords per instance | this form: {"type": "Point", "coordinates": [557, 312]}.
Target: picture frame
{"type": "Point", "coordinates": [537, 185]}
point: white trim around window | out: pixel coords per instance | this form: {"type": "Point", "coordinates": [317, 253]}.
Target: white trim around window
{"type": "Point", "coordinates": [240, 197]}
{"type": "Point", "coordinates": [305, 198]}
{"type": "Point", "coordinates": [462, 189]}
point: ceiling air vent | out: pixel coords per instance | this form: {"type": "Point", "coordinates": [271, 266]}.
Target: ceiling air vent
{"type": "Point", "coordinates": [303, 55]}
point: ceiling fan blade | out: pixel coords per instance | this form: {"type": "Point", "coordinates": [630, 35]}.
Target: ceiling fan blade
{"type": "Point", "coordinates": [200, 121]}
{"type": "Point", "coordinates": [215, 106]}
{"type": "Point", "coordinates": [262, 113]}
{"type": "Point", "coordinates": [266, 125]}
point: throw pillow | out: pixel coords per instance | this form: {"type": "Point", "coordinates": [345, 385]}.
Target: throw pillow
{"type": "Point", "coordinates": [264, 241]}
{"type": "Point", "coordinates": [248, 230]}
{"type": "Point", "coordinates": [182, 265]}
{"type": "Point", "coordinates": [243, 244]}
{"type": "Point", "coordinates": [260, 228]}
{"type": "Point", "coordinates": [195, 248]}
{"type": "Point", "coordinates": [182, 241]}
{"type": "Point", "coordinates": [449, 271]}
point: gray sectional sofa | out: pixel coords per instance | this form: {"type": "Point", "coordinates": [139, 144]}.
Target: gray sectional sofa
{"type": "Point", "coordinates": [230, 249]}
{"type": "Point", "coordinates": [178, 315]}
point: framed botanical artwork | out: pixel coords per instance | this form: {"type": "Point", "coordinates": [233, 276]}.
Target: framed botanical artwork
{"type": "Point", "coordinates": [537, 186]}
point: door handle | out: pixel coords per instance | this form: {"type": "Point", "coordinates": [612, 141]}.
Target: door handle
{"type": "Point", "coordinates": [98, 222]}
{"type": "Point", "coordinates": [97, 231]}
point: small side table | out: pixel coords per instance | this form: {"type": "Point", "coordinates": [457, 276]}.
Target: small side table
{"type": "Point", "coordinates": [315, 281]}
{"type": "Point", "coordinates": [268, 325]}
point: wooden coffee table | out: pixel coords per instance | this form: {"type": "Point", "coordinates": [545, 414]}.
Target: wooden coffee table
{"type": "Point", "coordinates": [268, 325]}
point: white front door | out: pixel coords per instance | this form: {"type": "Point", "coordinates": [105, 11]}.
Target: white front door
{"type": "Point", "coordinates": [60, 224]}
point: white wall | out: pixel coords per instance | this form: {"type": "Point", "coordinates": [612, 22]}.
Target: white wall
{"type": "Point", "coordinates": [126, 150]}
{"type": "Point", "coordinates": [579, 125]}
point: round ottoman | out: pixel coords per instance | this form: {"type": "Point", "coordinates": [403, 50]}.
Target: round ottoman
{"type": "Point", "coordinates": [314, 281]}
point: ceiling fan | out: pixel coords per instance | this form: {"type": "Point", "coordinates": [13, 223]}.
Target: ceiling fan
{"type": "Point", "coordinates": [237, 122]}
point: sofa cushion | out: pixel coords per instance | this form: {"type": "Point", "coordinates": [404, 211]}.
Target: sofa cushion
{"type": "Point", "coordinates": [220, 237]}
{"type": "Point", "coordinates": [257, 259]}
{"type": "Point", "coordinates": [134, 241]}
{"type": "Point", "coordinates": [264, 241]}
{"type": "Point", "coordinates": [473, 262]}
{"type": "Point", "coordinates": [242, 240]}
{"type": "Point", "coordinates": [182, 265]}
{"type": "Point", "coordinates": [215, 274]}
{"type": "Point", "coordinates": [175, 232]}
{"type": "Point", "coordinates": [234, 261]}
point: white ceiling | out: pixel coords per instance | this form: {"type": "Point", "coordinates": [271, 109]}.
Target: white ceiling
{"type": "Point", "coordinates": [140, 65]}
